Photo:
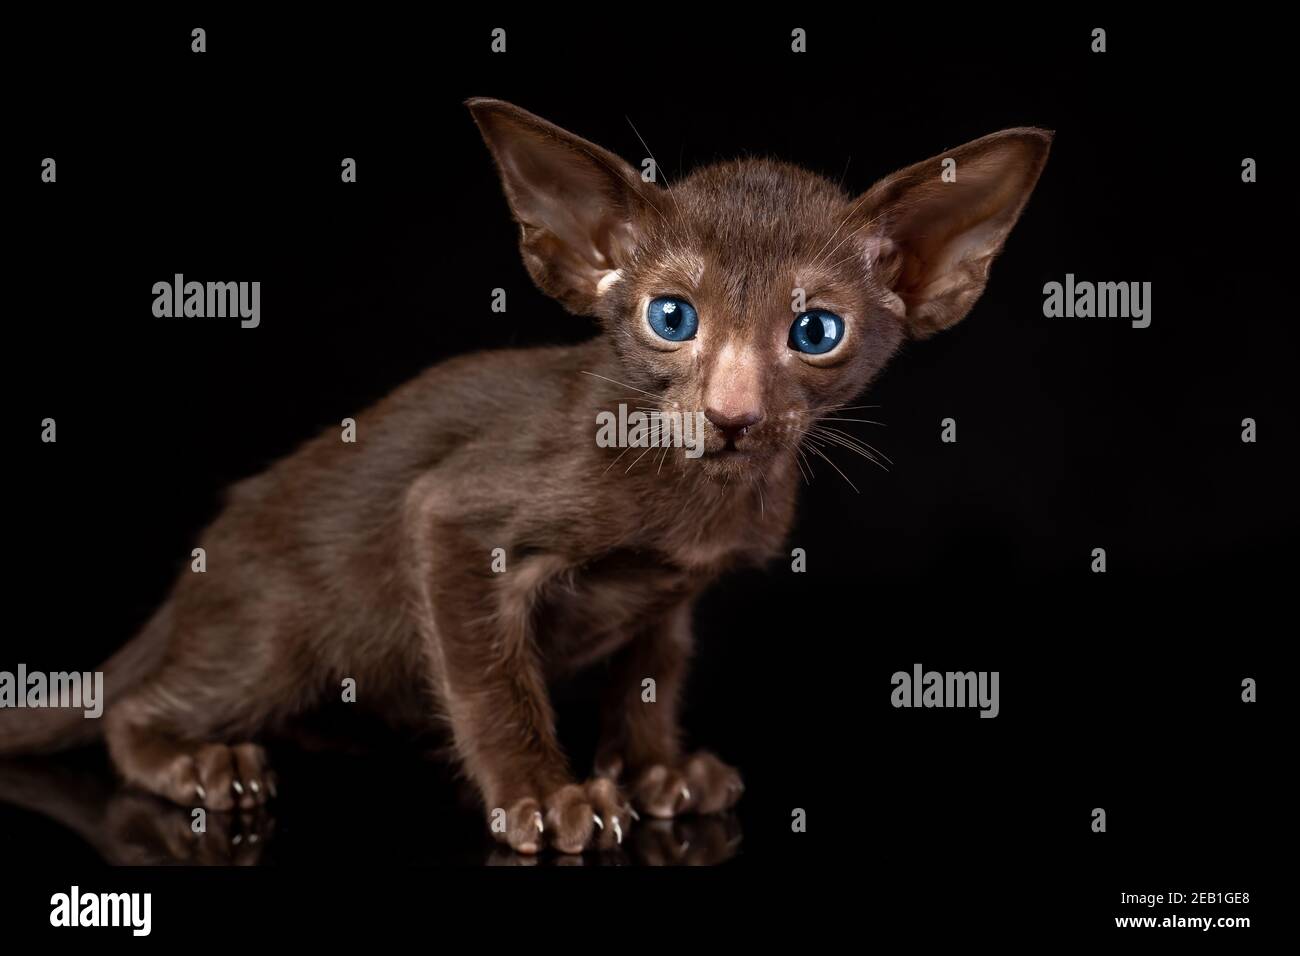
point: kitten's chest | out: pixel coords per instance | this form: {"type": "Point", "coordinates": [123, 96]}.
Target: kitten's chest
{"type": "Point", "coordinates": [604, 603]}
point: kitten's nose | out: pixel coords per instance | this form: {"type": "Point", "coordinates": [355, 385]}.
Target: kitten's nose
{"type": "Point", "coordinates": [733, 396]}
{"type": "Point", "coordinates": [733, 424]}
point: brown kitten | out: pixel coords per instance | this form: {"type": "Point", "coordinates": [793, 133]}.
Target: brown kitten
{"type": "Point", "coordinates": [374, 560]}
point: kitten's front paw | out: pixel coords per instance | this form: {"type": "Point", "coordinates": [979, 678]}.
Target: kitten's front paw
{"type": "Point", "coordinates": [701, 784]}
{"type": "Point", "coordinates": [574, 818]}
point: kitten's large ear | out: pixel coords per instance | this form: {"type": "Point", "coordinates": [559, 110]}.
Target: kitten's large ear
{"type": "Point", "coordinates": [577, 205]}
{"type": "Point", "coordinates": [932, 241]}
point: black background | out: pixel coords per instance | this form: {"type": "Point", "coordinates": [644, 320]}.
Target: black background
{"type": "Point", "coordinates": [1119, 690]}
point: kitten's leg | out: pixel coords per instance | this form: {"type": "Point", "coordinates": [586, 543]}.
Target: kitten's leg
{"type": "Point", "coordinates": [480, 635]}
{"type": "Point", "coordinates": [641, 739]}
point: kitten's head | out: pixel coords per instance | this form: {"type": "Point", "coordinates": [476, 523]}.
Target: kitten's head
{"type": "Point", "coordinates": [755, 291]}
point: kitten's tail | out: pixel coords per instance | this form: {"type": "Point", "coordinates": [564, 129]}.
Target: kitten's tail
{"type": "Point", "coordinates": [42, 730]}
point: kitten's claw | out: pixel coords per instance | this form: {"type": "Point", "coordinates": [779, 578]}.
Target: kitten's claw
{"type": "Point", "coordinates": [219, 776]}
{"type": "Point", "coordinates": [599, 822]}
{"type": "Point", "coordinates": [635, 816]}
{"type": "Point", "coordinates": [537, 818]}
{"type": "Point", "coordinates": [618, 832]}
{"type": "Point", "coordinates": [686, 794]}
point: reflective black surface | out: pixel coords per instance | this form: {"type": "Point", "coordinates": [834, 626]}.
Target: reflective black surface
{"type": "Point", "coordinates": [332, 810]}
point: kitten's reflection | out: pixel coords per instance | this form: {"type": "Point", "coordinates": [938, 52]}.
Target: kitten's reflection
{"type": "Point", "coordinates": [685, 841]}
{"type": "Point", "coordinates": [129, 828]}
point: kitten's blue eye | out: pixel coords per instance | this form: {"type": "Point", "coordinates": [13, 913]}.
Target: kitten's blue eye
{"type": "Point", "coordinates": [672, 319]}
{"type": "Point", "coordinates": [816, 332]}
